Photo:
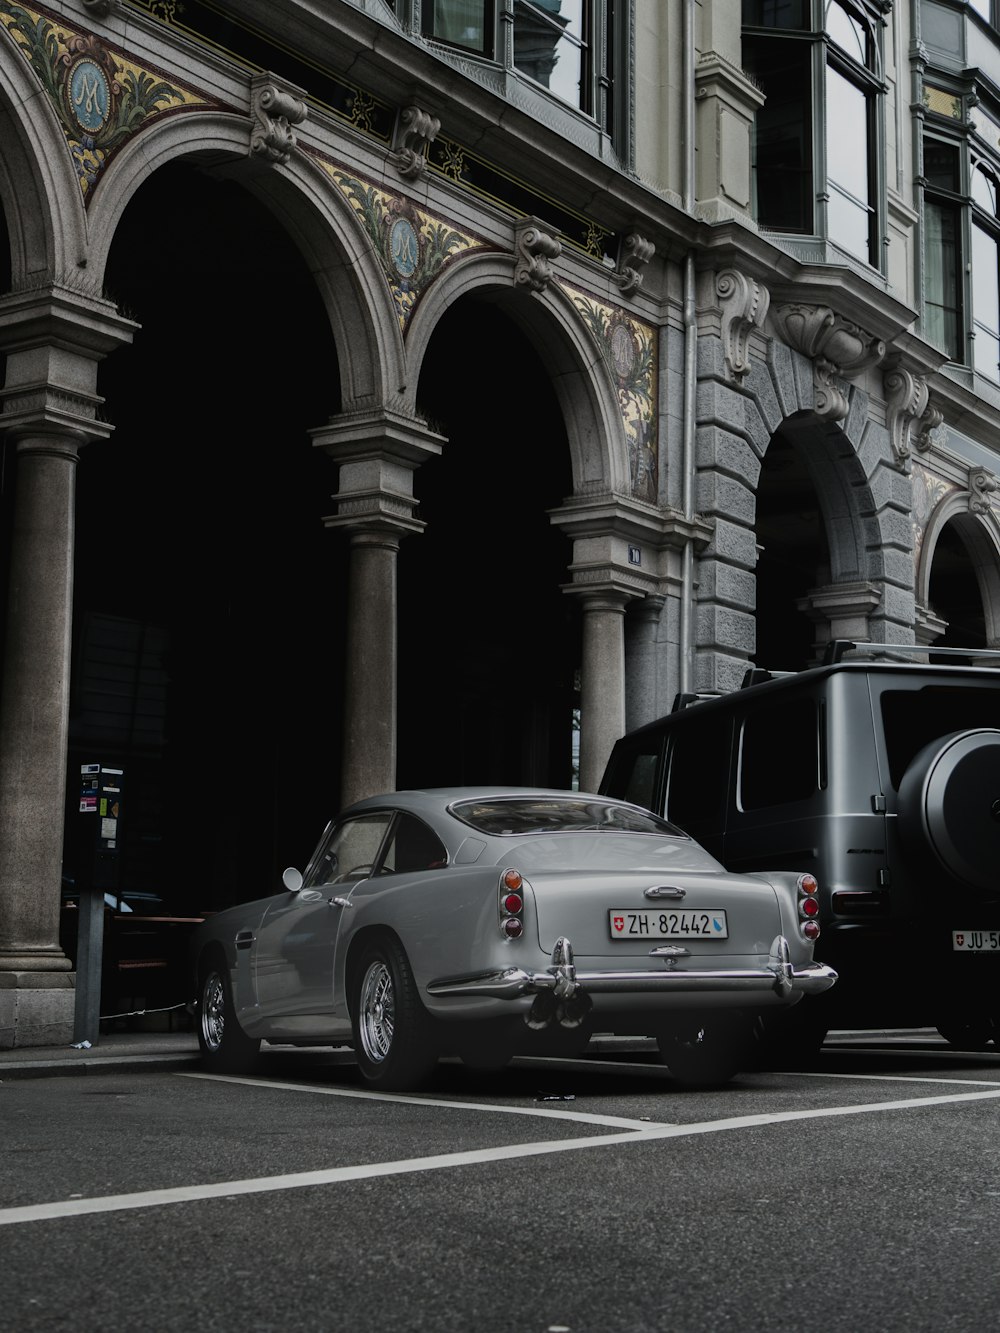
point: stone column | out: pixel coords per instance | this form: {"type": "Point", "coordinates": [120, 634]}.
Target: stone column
{"type": "Point", "coordinates": [54, 339]}
{"type": "Point", "coordinates": [378, 453]}
{"type": "Point", "coordinates": [841, 611]}
{"type": "Point", "coordinates": [602, 679]}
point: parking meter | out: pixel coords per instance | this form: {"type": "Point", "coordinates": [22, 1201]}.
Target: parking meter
{"type": "Point", "coordinates": [101, 813]}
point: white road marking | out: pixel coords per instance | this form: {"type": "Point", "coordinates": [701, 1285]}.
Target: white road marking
{"type": "Point", "coordinates": [510, 1152]}
{"type": "Point", "coordinates": [895, 1078]}
{"type": "Point", "coordinates": [548, 1111]}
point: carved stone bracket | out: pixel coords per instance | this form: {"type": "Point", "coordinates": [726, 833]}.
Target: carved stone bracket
{"type": "Point", "coordinates": [633, 252]}
{"type": "Point", "coordinates": [536, 245]}
{"type": "Point", "coordinates": [907, 406]}
{"type": "Point", "coordinates": [744, 308]}
{"type": "Point", "coordinates": [99, 7]}
{"type": "Point", "coordinates": [838, 348]}
{"type": "Point", "coordinates": [982, 485]}
{"type": "Point", "coordinates": [275, 110]}
{"type": "Point", "coordinates": [416, 130]}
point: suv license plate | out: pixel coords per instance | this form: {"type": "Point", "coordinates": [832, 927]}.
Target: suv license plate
{"type": "Point", "coordinates": [627, 925]}
{"type": "Point", "coordinates": [976, 941]}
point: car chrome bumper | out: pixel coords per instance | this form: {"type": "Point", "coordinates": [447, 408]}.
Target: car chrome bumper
{"type": "Point", "coordinates": [565, 981]}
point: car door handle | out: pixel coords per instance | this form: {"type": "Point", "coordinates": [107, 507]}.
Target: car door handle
{"type": "Point", "coordinates": [664, 891]}
{"type": "Point", "coordinates": [339, 902]}
{"type": "Point", "coordinates": [244, 939]}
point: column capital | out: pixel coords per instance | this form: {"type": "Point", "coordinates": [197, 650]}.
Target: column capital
{"type": "Point", "coordinates": [54, 337]}
{"type": "Point", "coordinates": [377, 453]}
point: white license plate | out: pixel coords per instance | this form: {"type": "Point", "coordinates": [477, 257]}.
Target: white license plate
{"type": "Point", "coordinates": [667, 925]}
{"type": "Point", "coordinates": [976, 941]}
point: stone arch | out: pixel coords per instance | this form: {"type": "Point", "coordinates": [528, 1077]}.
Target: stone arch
{"type": "Point", "coordinates": [313, 213]}
{"type": "Point", "coordinates": [579, 376]}
{"type": "Point", "coordinates": [39, 187]}
{"type": "Point", "coordinates": [979, 533]}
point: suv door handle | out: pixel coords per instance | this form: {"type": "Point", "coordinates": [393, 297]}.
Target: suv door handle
{"type": "Point", "coordinates": [664, 891]}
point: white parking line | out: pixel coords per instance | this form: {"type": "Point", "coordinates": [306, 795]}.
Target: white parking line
{"type": "Point", "coordinates": [548, 1111]}
{"type": "Point", "coordinates": [895, 1078]}
{"type": "Point", "coordinates": [510, 1152]}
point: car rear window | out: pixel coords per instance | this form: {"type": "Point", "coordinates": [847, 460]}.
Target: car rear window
{"type": "Point", "coordinates": [519, 815]}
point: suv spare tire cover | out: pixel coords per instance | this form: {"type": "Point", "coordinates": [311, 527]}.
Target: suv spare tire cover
{"type": "Point", "coordinates": [949, 805]}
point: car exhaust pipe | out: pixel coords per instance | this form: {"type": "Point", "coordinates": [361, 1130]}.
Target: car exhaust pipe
{"type": "Point", "coordinates": [571, 1013]}
{"type": "Point", "coordinates": [542, 1012]}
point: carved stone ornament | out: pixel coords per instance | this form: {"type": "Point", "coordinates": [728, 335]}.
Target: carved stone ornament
{"type": "Point", "coordinates": [633, 252]}
{"type": "Point", "coordinates": [274, 112]}
{"type": "Point", "coordinates": [99, 7]}
{"type": "Point", "coordinates": [838, 348]}
{"type": "Point", "coordinates": [744, 308]}
{"type": "Point", "coordinates": [906, 397]}
{"type": "Point", "coordinates": [416, 130]}
{"type": "Point", "coordinates": [535, 246]}
{"type": "Point", "coordinates": [982, 485]}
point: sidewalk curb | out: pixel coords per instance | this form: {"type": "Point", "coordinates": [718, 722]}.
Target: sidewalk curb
{"type": "Point", "coordinates": [98, 1064]}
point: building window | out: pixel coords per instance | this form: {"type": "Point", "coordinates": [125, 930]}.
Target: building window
{"type": "Point", "coordinates": [985, 271]}
{"type": "Point", "coordinates": [942, 247]}
{"type": "Point", "coordinates": [564, 46]}
{"type": "Point", "coordinates": [817, 153]}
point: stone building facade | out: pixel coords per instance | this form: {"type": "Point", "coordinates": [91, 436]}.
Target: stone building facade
{"type": "Point", "coordinates": [426, 391]}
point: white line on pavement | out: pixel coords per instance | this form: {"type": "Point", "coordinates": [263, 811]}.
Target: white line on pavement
{"type": "Point", "coordinates": [894, 1078]}
{"type": "Point", "coordinates": [510, 1152]}
{"type": "Point", "coordinates": [548, 1111]}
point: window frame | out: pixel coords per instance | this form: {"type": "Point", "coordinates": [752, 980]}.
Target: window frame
{"type": "Point", "coordinates": [826, 54]}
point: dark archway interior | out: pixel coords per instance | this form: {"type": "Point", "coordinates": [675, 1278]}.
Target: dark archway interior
{"type": "Point", "coordinates": [794, 557]}
{"type": "Point", "coordinates": [489, 643]}
{"type": "Point", "coordinates": [954, 592]}
{"type": "Point", "coordinates": [208, 617]}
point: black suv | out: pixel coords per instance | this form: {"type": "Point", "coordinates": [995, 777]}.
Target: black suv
{"type": "Point", "coordinates": [882, 778]}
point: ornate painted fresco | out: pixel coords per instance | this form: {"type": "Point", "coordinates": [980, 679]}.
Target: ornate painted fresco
{"type": "Point", "coordinates": [412, 246]}
{"type": "Point", "coordinates": [629, 351]}
{"type": "Point", "coordinates": [101, 98]}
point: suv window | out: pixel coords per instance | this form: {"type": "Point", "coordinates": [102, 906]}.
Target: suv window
{"type": "Point", "coordinates": [699, 771]}
{"type": "Point", "coordinates": [912, 719]}
{"type": "Point", "coordinates": [780, 758]}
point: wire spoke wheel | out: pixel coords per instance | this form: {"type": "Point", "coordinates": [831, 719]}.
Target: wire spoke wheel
{"type": "Point", "coordinates": [377, 1019]}
{"type": "Point", "coordinates": [225, 1047]}
{"type": "Point", "coordinates": [212, 1012]}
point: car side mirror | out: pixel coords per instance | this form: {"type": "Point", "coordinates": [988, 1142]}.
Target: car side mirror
{"type": "Point", "coordinates": [292, 879]}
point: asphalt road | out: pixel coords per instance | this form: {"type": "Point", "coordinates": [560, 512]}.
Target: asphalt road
{"type": "Point", "coordinates": [863, 1193]}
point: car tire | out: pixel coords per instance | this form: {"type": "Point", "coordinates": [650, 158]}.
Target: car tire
{"type": "Point", "coordinates": [949, 806]}
{"type": "Point", "coordinates": [707, 1052]}
{"type": "Point", "coordinates": [225, 1047]}
{"type": "Point", "coordinates": [393, 1034]}
{"type": "Point", "coordinates": [970, 1034]}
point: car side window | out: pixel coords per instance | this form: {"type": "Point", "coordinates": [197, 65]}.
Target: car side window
{"type": "Point", "coordinates": [633, 773]}
{"type": "Point", "coordinates": [412, 846]}
{"type": "Point", "coordinates": [780, 754]}
{"type": "Point", "coordinates": [351, 850]}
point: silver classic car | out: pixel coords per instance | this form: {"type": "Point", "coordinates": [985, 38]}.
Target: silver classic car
{"type": "Point", "coordinates": [490, 923]}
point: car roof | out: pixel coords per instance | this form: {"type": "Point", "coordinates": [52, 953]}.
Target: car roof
{"type": "Point", "coordinates": [436, 799]}
{"type": "Point", "coordinates": [763, 683]}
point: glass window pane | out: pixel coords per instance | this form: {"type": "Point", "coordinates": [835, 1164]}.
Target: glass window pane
{"type": "Point", "coordinates": [986, 303]}
{"type": "Point", "coordinates": [783, 148]}
{"type": "Point", "coordinates": [847, 31]}
{"type": "Point", "coordinates": [941, 277]}
{"type": "Point", "coordinates": [849, 224]}
{"type": "Point", "coordinates": [846, 136]}
{"type": "Point", "coordinates": [981, 7]}
{"type": "Point", "coordinates": [462, 22]}
{"type": "Point", "coordinates": [941, 165]}
{"type": "Point", "coordinates": [549, 47]}
{"type": "Point", "coordinates": [984, 191]}
{"type": "Point", "coordinates": [793, 14]}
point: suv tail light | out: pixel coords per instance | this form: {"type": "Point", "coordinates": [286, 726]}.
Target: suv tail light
{"type": "Point", "coordinates": [511, 905]}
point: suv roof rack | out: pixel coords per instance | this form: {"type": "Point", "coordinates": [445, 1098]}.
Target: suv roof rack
{"type": "Point", "coordinates": [685, 700]}
{"type": "Point", "coordinates": [836, 649]}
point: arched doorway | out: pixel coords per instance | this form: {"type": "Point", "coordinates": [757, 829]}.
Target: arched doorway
{"type": "Point", "coordinates": [793, 556]}
{"type": "Point", "coordinates": [489, 643]}
{"type": "Point", "coordinates": [955, 592]}
{"type": "Point", "coordinates": [208, 613]}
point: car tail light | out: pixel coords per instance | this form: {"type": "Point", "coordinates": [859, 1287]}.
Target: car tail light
{"type": "Point", "coordinates": [511, 904]}
{"type": "Point", "coordinates": [809, 906]}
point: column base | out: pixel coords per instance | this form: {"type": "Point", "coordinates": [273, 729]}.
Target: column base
{"type": "Point", "coordinates": [36, 1009]}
